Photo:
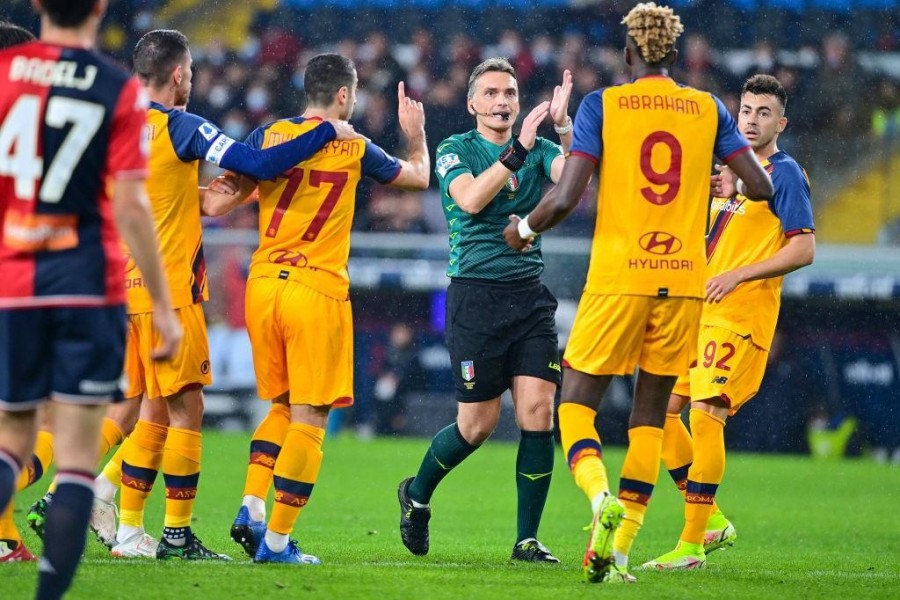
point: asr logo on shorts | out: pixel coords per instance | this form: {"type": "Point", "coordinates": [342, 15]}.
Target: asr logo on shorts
{"type": "Point", "coordinates": [720, 380]}
{"type": "Point", "coordinates": [467, 367]}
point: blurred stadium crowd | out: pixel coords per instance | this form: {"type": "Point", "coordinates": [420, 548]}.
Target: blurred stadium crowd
{"type": "Point", "coordinates": [833, 56]}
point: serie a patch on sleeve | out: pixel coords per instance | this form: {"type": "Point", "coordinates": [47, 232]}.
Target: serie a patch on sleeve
{"type": "Point", "coordinates": [447, 162]}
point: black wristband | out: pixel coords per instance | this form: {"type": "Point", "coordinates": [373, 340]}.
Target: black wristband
{"type": "Point", "coordinates": [513, 156]}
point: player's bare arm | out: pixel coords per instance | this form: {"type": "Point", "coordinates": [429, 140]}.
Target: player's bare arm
{"type": "Point", "coordinates": [757, 185]}
{"type": "Point", "coordinates": [472, 194]}
{"type": "Point", "coordinates": [555, 205]}
{"type": "Point", "coordinates": [798, 252]}
{"type": "Point", "coordinates": [562, 122]}
{"type": "Point", "coordinates": [136, 227]}
{"type": "Point", "coordinates": [415, 171]}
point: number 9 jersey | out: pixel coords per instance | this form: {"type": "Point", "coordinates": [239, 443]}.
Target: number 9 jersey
{"type": "Point", "coordinates": [656, 139]}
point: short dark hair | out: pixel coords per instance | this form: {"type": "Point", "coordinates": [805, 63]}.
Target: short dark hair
{"type": "Point", "coordinates": [325, 75]}
{"type": "Point", "coordinates": [157, 54]}
{"type": "Point", "coordinates": [766, 85]}
{"type": "Point", "coordinates": [491, 65]}
{"type": "Point", "coordinates": [12, 35]}
{"type": "Point", "coordinates": [68, 13]}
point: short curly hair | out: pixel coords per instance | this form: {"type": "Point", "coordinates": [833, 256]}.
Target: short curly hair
{"type": "Point", "coordinates": [654, 30]}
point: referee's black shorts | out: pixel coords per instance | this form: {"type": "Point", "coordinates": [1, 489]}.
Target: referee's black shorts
{"type": "Point", "coordinates": [496, 330]}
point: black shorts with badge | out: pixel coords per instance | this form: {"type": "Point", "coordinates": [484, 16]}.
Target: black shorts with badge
{"type": "Point", "coordinates": [496, 330]}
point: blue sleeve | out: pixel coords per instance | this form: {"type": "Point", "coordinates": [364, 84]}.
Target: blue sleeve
{"type": "Point", "coordinates": [791, 203]}
{"type": "Point", "coordinates": [587, 138]}
{"type": "Point", "coordinates": [257, 137]}
{"type": "Point", "coordinates": [273, 161]}
{"type": "Point", "coordinates": [379, 165]}
{"type": "Point", "coordinates": [191, 136]}
{"type": "Point", "coordinates": [728, 141]}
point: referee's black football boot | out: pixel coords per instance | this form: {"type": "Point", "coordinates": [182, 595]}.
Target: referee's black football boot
{"type": "Point", "coordinates": [413, 521]}
{"type": "Point", "coordinates": [531, 550]}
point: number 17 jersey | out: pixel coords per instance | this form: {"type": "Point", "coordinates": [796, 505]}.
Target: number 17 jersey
{"type": "Point", "coordinates": [305, 215]}
{"type": "Point", "coordinates": [656, 140]}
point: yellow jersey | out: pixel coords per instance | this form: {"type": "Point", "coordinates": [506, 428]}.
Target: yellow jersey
{"type": "Point", "coordinates": [654, 140]}
{"type": "Point", "coordinates": [177, 141]}
{"type": "Point", "coordinates": [744, 232]}
{"type": "Point", "coordinates": [305, 215]}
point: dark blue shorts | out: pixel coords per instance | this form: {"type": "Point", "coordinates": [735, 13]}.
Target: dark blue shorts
{"type": "Point", "coordinates": [73, 355]}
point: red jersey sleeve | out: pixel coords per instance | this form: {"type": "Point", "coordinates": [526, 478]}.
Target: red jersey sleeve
{"type": "Point", "coordinates": [127, 155]}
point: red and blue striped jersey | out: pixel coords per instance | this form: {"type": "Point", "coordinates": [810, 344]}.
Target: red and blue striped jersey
{"type": "Point", "coordinates": [71, 124]}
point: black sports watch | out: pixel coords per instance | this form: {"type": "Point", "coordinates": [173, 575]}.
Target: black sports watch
{"type": "Point", "coordinates": [513, 156]}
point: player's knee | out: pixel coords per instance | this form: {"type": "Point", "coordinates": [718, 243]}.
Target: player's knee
{"type": "Point", "coordinates": [537, 416]}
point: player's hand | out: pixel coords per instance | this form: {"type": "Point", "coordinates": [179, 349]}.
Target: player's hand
{"type": "Point", "coordinates": [345, 131]}
{"type": "Point", "coordinates": [721, 285]}
{"type": "Point", "coordinates": [410, 113]}
{"type": "Point", "coordinates": [724, 183]}
{"type": "Point", "coordinates": [559, 105]}
{"type": "Point", "coordinates": [512, 237]}
{"type": "Point", "coordinates": [167, 325]}
{"type": "Point", "coordinates": [528, 133]}
{"type": "Point", "coordinates": [227, 183]}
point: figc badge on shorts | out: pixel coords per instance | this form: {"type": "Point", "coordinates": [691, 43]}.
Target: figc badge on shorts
{"type": "Point", "coordinates": [468, 370]}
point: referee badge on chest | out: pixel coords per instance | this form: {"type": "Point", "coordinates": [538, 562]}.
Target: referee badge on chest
{"type": "Point", "coordinates": [512, 184]}
{"type": "Point", "coordinates": [468, 370]}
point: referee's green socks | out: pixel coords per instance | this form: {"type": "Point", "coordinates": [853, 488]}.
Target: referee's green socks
{"type": "Point", "coordinates": [448, 449]}
{"type": "Point", "coordinates": [534, 467]}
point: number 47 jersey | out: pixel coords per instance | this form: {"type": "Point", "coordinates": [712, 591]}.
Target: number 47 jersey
{"type": "Point", "coordinates": [71, 123]}
{"type": "Point", "coordinates": [655, 142]}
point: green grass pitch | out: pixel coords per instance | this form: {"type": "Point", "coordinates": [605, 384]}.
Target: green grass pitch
{"type": "Point", "coordinates": [807, 529]}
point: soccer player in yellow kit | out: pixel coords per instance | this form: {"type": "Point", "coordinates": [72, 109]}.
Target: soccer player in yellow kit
{"type": "Point", "coordinates": [750, 247]}
{"type": "Point", "coordinates": [298, 304]}
{"type": "Point", "coordinates": [653, 140]}
{"type": "Point", "coordinates": [168, 434]}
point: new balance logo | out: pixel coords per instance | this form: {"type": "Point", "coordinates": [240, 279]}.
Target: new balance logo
{"type": "Point", "coordinates": [720, 380]}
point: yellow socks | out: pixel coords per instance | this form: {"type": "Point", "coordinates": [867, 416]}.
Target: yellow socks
{"type": "Point", "coordinates": [264, 450]}
{"type": "Point", "coordinates": [8, 530]}
{"type": "Point", "coordinates": [40, 461]}
{"type": "Point", "coordinates": [705, 474]}
{"type": "Point", "coordinates": [581, 444]}
{"type": "Point", "coordinates": [111, 435]}
{"type": "Point", "coordinates": [142, 454]}
{"type": "Point", "coordinates": [639, 474]}
{"type": "Point", "coordinates": [112, 470]}
{"type": "Point", "coordinates": [677, 449]}
{"type": "Point", "coordinates": [296, 472]}
{"type": "Point", "coordinates": [181, 471]}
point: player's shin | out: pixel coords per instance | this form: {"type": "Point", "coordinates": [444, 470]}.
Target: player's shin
{"type": "Point", "coordinates": [296, 472]}
{"type": "Point", "coordinates": [639, 474]}
{"type": "Point", "coordinates": [141, 458]}
{"type": "Point", "coordinates": [705, 474]}
{"type": "Point", "coordinates": [181, 472]}
{"type": "Point", "coordinates": [584, 453]}
{"type": "Point", "coordinates": [265, 448]}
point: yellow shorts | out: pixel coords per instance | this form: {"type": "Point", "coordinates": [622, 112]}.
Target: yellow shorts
{"type": "Point", "coordinates": [613, 334]}
{"type": "Point", "coordinates": [683, 383]}
{"type": "Point", "coordinates": [302, 342]}
{"type": "Point", "coordinates": [729, 366]}
{"type": "Point", "coordinates": [190, 367]}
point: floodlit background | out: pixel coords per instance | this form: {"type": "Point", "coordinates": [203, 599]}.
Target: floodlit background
{"type": "Point", "coordinates": [833, 385]}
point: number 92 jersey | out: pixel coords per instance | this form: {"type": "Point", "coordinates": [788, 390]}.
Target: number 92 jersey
{"type": "Point", "coordinates": [71, 123]}
{"type": "Point", "coordinates": [656, 139]}
{"type": "Point", "coordinates": [305, 214]}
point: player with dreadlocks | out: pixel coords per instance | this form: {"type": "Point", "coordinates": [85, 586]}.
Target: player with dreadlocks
{"type": "Point", "coordinates": [652, 141]}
